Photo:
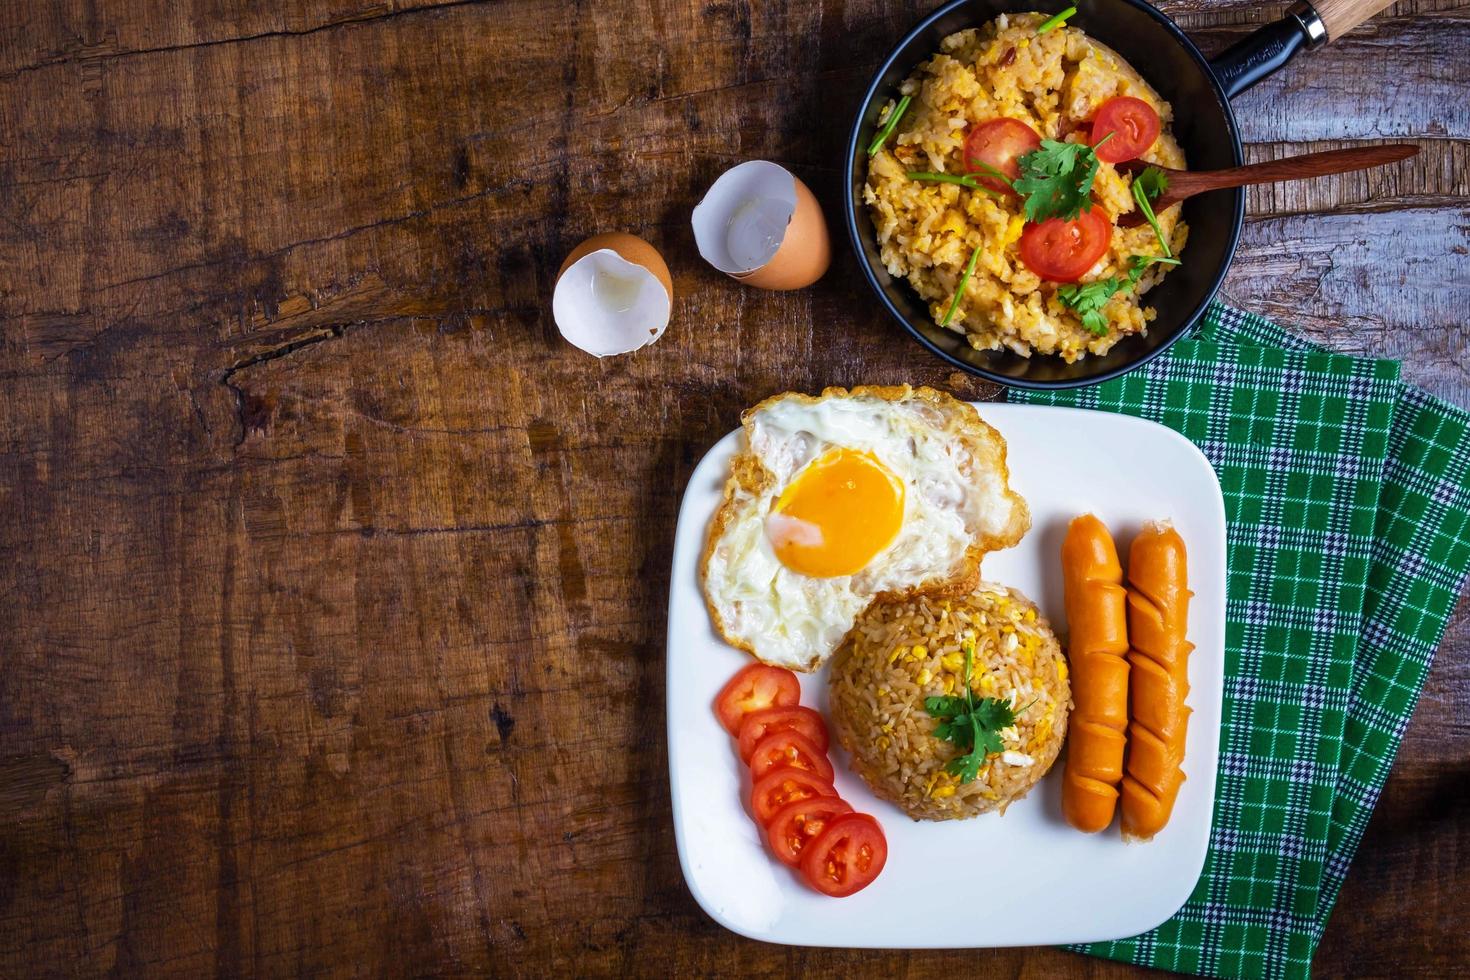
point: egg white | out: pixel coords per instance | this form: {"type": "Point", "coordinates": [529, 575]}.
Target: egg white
{"type": "Point", "coordinates": [957, 504]}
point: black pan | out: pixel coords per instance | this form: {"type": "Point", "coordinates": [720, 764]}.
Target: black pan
{"type": "Point", "coordinates": [1199, 90]}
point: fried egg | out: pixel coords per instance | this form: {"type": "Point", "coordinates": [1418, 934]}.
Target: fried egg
{"type": "Point", "coordinates": [838, 499]}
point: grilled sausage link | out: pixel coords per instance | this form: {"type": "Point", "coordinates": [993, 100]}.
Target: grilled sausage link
{"type": "Point", "coordinates": [1158, 620]}
{"type": "Point", "coordinates": [1095, 601]}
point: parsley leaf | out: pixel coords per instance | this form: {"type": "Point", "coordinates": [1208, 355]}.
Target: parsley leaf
{"type": "Point", "coordinates": [1152, 181]}
{"type": "Point", "coordinates": [1147, 186]}
{"type": "Point", "coordinates": [945, 707]}
{"type": "Point", "coordinates": [1056, 180]}
{"type": "Point", "coordinates": [1088, 299]}
{"type": "Point", "coordinates": [972, 726]}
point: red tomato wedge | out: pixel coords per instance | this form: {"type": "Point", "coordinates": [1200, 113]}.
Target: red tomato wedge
{"type": "Point", "coordinates": [1063, 251]}
{"type": "Point", "coordinates": [792, 750]}
{"type": "Point", "coordinates": [769, 721]}
{"type": "Point", "coordinates": [796, 826]}
{"type": "Point", "coordinates": [1134, 125]}
{"type": "Point", "coordinates": [780, 788]}
{"type": "Point", "coordinates": [1000, 143]}
{"type": "Point", "coordinates": [847, 857]}
{"type": "Point", "coordinates": [754, 688]}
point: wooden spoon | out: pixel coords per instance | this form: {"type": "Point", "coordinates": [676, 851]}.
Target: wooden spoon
{"type": "Point", "coordinates": [1187, 183]}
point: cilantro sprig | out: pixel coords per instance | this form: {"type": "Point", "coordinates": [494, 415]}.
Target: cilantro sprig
{"type": "Point", "coordinates": [973, 726]}
{"type": "Point", "coordinates": [1148, 186]}
{"type": "Point", "coordinates": [1088, 299]}
{"type": "Point", "coordinates": [1056, 179]}
{"type": "Point", "coordinates": [894, 115]}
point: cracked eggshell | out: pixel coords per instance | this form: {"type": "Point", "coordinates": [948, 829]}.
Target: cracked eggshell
{"type": "Point", "coordinates": [613, 295]}
{"type": "Point", "coordinates": [761, 225]}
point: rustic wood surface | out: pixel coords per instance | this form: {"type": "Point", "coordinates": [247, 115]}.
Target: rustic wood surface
{"type": "Point", "coordinates": [333, 583]}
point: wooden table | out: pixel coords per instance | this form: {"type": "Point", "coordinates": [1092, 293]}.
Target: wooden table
{"type": "Point", "coordinates": [333, 583]}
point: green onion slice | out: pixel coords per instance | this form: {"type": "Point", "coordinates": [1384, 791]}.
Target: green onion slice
{"type": "Point", "coordinates": [990, 172]}
{"type": "Point", "coordinates": [1053, 22]}
{"type": "Point", "coordinates": [889, 126]}
{"type": "Point", "coordinates": [962, 181]}
{"type": "Point", "coordinates": [1147, 210]}
{"type": "Point", "coordinates": [959, 291]}
{"type": "Point", "coordinates": [945, 179]}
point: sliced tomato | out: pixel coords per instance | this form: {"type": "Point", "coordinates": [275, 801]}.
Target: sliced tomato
{"type": "Point", "coordinates": [1063, 251]}
{"type": "Point", "coordinates": [754, 688]}
{"type": "Point", "coordinates": [999, 143]}
{"type": "Point", "coordinates": [780, 788]}
{"type": "Point", "coordinates": [789, 749]}
{"type": "Point", "coordinates": [795, 826]}
{"type": "Point", "coordinates": [1134, 125]}
{"type": "Point", "coordinates": [768, 721]}
{"type": "Point", "coordinates": [846, 857]}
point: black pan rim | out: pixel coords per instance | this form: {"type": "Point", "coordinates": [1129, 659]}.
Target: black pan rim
{"type": "Point", "coordinates": [851, 205]}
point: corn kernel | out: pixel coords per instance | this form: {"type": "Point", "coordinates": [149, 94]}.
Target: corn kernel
{"type": "Point", "coordinates": [1025, 42]}
{"type": "Point", "coordinates": [952, 661]}
{"type": "Point", "coordinates": [924, 676]}
{"type": "Point", "coordinates": [920, 650]}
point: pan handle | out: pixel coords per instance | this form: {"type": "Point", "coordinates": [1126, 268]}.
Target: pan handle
{"type": "Point", "coordinates": [1306, 25]}
{"type": "Point", "coordinates": [1341, 16]}
{"type": "Point", "coordinates": [1265, 51]}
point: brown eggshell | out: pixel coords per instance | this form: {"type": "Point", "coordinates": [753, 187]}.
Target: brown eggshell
{"type": "Point", "coordinates": [632, 249]}
{"type": "Point", "coordinates": [805, 252]}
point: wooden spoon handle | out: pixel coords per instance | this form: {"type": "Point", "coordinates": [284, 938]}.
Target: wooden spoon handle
{"type": "Point", "coordinates": [1341, 16]}
{"type": "Point", "coordinates": [1291, 168]}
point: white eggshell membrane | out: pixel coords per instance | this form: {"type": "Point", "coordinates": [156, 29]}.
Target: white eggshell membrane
{"type": "Point", "coordinates": [606, 305]}
{"type": "Point", "coordinates": [742, 220]}
{"type": "Point", "coordinates": [952, 495]}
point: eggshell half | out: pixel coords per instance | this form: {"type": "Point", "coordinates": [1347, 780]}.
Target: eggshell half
{"type": "Point", "coordinates": [761, 225]}
{"type": "Point", "coordinates": [630, 247]}
{"type": "Point", "coordinates": [613, 295]}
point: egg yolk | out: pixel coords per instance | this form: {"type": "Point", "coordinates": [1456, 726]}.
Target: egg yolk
{"type": "Point", "coordinates": [837, 514]}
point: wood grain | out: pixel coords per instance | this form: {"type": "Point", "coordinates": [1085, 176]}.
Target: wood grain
{"type": "Point", "coordinates": [335, 582]}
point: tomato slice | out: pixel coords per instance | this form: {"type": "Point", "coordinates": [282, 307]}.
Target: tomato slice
{"type": "Point", "coordinates": [1134, 125]}
{"type": "Point", "coordinates": [754, 688]}
{"type": "Point", "coordinates": [1063, 251]}
{"type": "Point", "coordinates": [795, 826]}
{"type": "Point", "coordinates": [1000, 143]}
{"type": "Point", "coordinates": [782, 787]}
{"type": "Point", "coordinates": [847, 857]}
{"type": "Point", "coordinates": [768, 721]}
{"type": "Point", "coordinates": [789, 749]}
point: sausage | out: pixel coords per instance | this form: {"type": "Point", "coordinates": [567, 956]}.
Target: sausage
{"type": "Point", "coordinates": [1158, 620]}
{"type": "Point", "coordinates": [1095, 602]}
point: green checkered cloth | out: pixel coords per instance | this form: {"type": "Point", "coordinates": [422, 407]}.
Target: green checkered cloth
{"type": "Point", "coordinates": [1347, 496]}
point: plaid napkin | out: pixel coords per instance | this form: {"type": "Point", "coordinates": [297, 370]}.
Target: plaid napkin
{"type": "Point", "coordinates": [1347, 496]}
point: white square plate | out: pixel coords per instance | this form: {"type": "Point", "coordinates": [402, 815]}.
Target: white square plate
{"type": "Point", "coordinates": [1057, 885]}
